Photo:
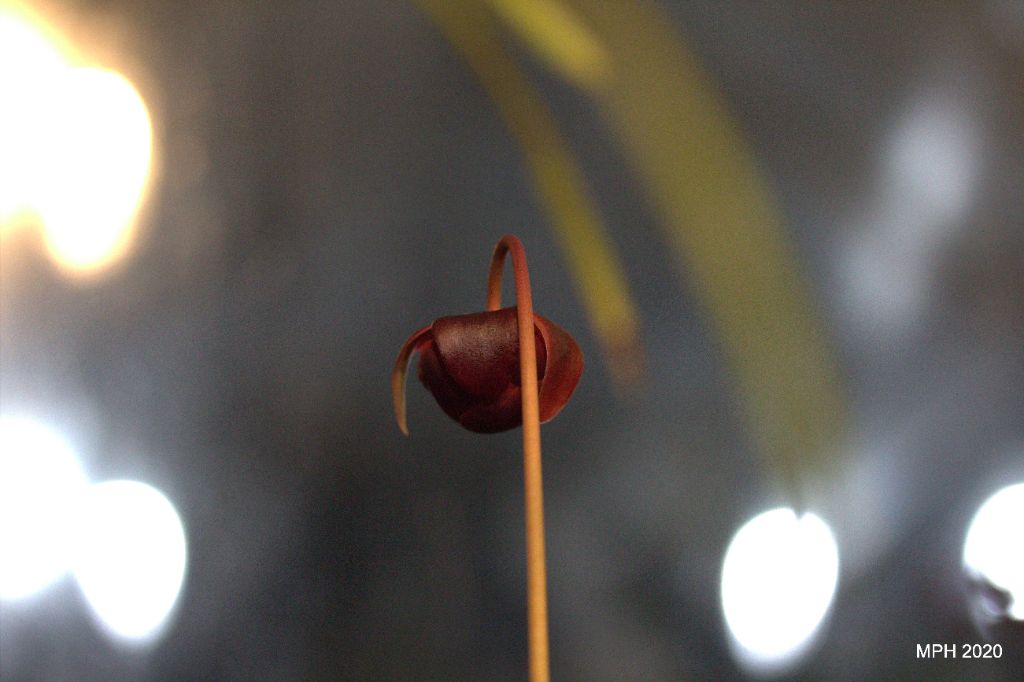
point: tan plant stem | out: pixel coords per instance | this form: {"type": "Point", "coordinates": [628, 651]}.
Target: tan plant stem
{"type": "Point", "coordinates": [536, 580]}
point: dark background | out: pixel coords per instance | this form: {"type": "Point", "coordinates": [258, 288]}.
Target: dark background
{"type": "Point", "coordinates": [332, 177]}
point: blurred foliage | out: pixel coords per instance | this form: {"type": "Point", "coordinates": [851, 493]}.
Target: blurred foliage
{"type": "Point", "coordinates": [559, 181]}
{"type": "Point", "coordinates": [714, 206]}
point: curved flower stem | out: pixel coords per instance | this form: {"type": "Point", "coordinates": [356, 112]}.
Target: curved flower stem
{"type": "Point", "coordinates": [536, 580]}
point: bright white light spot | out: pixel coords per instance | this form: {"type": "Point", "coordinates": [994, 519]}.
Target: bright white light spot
{"type": "Point", "coordinates": [101, 158]}
{"type": "Point", "coordinates": [41, 481]}
{"type": "Point", "coordinates": [130, 558]}
{"type": "Point", "coordinates": [994, 548]}
{"type": "Point", "coordinates": [75, 148]}
{"type": "Point", "coordinates": [29, 61]}
{"type": "Point", "coordinates": [928, 180]}
{"type": "Point", "coordinates": [933, 162]}
{"type": "Point", "coordinates": [778, 581]}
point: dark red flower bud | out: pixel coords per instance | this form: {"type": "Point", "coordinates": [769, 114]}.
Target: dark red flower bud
{"type": "Point", "coordinates": [470, 363]}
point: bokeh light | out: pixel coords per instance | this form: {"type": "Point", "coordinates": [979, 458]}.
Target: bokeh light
{"type": "Point", "coordinates": [29, 61]}
{"type": "Point", "coordinates": [927, 181]}
{"type": "Point", "coordinates": [994, 550]}
{"type": "Point", "coordinates": [75, 148]}
{"type": "Point", "coordinates": [41, 482]}
{"type": "Point", "coordinates": [130, 558]}
{"type": "Point", "coordinates": [778, 580]}
{"type": "Point", "coordinates": [931, 170]}
{"type": "Point", "coordinates": [100, 162]}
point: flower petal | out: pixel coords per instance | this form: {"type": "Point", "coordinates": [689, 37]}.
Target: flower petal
{"type": "Point", "coordinates": [472, 368]}
{"type": "Point", "coordinates": [563, 371]}
{"type": "Point", "coordinates": [419, 340]}
{"type": "Point", "coordinates": [480, 351]}
{"type": "Point", "coordinates": [450, 396]}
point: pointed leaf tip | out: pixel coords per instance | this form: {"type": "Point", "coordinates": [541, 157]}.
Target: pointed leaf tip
{"type": "Point", "coordinates": [398, 375]}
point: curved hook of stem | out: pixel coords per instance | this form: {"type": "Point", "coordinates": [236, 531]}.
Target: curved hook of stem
{"type": "Point", "coordinates": [536, 580]}
{"type": "Point", "coordinates": [398, 376]}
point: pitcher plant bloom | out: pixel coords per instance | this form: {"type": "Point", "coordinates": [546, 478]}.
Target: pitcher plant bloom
{"type": "Point", "coordinates": [470, 363]}
{"type": "Point", "coordinates": [493, 371]}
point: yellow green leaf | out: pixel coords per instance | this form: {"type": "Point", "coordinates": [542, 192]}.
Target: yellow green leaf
{"type": "Point", "coordinates": [558, 181]}
{"type": "Point", "coordinates": [722, 222]}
